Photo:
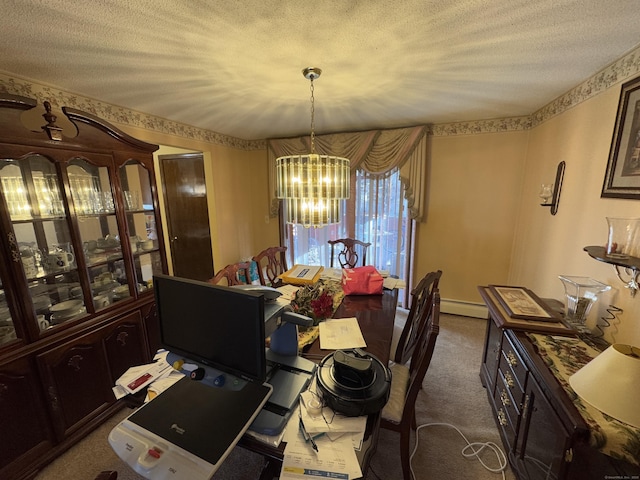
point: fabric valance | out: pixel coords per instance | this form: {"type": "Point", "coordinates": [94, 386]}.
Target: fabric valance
{"type": "Point", "coordinates": [374, 151]}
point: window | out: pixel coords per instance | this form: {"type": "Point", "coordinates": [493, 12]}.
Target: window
{"type": "Point", "coordinates": [376, 213]}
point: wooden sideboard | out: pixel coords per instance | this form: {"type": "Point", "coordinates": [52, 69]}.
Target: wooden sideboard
{"type": "Point", "coordinates": [543, 433]}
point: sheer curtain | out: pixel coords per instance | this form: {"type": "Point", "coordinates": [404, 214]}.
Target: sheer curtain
{"type": "Point", "coordinates": [382, 219]}
{"type": "Point", "coordinates": [388, 195]}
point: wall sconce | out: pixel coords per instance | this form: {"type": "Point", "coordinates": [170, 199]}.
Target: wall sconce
{"type": "Point", "coordinates": [551, 196]}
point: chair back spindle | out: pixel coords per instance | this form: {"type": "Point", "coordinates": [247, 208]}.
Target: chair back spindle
{"type": "Point", "coordinates": [271, 262]}
{"type": "Point", "coordinates": [350, 252]}
{"type": "Point", "coordinates": [231, 273]}
{"type": "Point", "coordinates": [421, 302]}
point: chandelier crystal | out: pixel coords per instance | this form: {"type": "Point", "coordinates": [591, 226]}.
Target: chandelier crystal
{"type": "Point", "coordinates": [312, 185]}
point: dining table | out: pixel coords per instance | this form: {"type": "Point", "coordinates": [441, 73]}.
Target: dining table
{"type": "Point", "coordinates": [375, 315]}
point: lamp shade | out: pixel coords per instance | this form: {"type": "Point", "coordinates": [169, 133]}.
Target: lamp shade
{"type": "Point", "coordinates": [611, 383]}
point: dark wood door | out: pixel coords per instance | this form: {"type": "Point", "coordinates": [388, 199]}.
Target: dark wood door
{"type": "Point", "coordinates": [185, 196]}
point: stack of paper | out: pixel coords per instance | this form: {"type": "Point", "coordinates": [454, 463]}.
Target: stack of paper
{"type": "Point", "coordinates": [138, 377]}
{"type": "Point", "coordinates": [336, 437]}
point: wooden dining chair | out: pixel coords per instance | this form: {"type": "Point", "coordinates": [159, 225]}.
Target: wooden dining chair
{"type": "Point", "coordinates": [404, 340]}
{"type": "Point", "coordinates": [349, 252]}
{"type": "Point", "coordinates": [271, 262]}
{"type": "Point", "coordinates": [399, 413]}
{"type": "Point", "coordinates": [232, 274]}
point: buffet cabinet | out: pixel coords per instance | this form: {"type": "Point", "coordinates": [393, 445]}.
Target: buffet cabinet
{"type": "Point", "coordinates": [543, 434]}
{"type": "Point", "coordinates": [80, 242]}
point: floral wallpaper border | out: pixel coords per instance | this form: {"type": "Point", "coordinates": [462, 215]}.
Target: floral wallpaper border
{"type": "Point", "coordinates": [625, 67]}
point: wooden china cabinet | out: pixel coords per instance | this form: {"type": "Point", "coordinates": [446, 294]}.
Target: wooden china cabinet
{"type": "Point", "coordinates": [80, 242]}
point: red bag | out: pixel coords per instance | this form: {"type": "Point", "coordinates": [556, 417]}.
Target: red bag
{"type": "Point", "coordinates": [362, 281]}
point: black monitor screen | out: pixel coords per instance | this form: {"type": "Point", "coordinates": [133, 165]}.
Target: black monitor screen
{"type": "Point", "coordinates": [218, 326]}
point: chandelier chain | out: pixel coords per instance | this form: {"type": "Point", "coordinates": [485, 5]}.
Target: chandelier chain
{"type": "Point", "coordinates": [313, 111]}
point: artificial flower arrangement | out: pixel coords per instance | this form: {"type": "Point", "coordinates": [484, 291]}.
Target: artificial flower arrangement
{"type": "Point", "coordinates": [318, 300]}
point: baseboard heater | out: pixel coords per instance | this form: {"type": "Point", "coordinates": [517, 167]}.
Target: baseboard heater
{"type": "Point", "coordinates": [466, 309]}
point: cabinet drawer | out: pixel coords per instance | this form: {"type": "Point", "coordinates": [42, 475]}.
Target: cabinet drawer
{"type": "Point", "coordinates": [512, 361]}
{"type": "Point", "coordinates": [504, 399]}
{"type": "Point", "coordinates": [504, 423]}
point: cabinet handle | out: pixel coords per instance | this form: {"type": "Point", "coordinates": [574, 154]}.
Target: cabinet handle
{"type": "Point", "coordinates": [53, 399]}
{"type": "Point", "coordinates": [512, 359]}
{"type": "Point", "coordinates": [568, 455]}
{"type": "Point", "coordinates": [122, 339]}
{"type": "Point", "coordinates": [74, 362]}
{"type": "Point", "coordinates": [3, 390]}
{"type": "Point", "coordinates": [504, 398]}
{"type": "Point", "coordinates": [525, 407]}
{"type": "Point", "coordinates": [502, 418]}
{"type": "Point", "coordinates": [509, 380]}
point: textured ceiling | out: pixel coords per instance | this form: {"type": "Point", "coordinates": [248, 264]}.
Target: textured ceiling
{"type": "Point", "coordinates": [234, 67]}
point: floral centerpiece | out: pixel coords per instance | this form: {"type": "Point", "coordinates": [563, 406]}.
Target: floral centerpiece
{"type": "Point", "coordinates": [318, 300]}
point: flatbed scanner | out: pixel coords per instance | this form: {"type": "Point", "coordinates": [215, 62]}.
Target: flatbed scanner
{"type": "Point", "coordinates": [187, 431]}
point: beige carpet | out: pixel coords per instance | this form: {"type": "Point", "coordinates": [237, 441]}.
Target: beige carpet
{"type": "Point", "coordinates": [452, 395]}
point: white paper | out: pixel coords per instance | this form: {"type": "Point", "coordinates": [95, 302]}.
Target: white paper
{"type": "Point", "coordinates": [336, 460]}
{"type": "Point", "coordinates": [287, 292]}
{"type": "Point", "coordinates": [332, 274]}
{"type": "Point", "coordinates": [391, 283]}
{"type": "Point", "coordinates": [341, 333]}
{"type": "Point", "coordinates": [138, 377]}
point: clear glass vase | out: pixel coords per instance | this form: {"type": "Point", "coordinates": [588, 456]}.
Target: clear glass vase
{"type": "Point", "coordinates": [623, 239]}
{"type": "Point", "coordinates": [581, 293]}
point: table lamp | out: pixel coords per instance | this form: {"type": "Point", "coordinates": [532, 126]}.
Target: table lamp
{"type": "Point", "coordinates": [611, 383]}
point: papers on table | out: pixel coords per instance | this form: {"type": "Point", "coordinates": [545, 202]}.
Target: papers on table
{"type": "Point", "coordinates": [391, 283]}
{"type": "Point", "coordinates": [287, 292]}
{"type": "Point", "coordinates": [334, 436]}
{"type": "Point", "coordinates": [332, 274]}
{"type": "Point", "coordinates": [341, 333]}
{"type": "Point", "coordinates": [138, 377]}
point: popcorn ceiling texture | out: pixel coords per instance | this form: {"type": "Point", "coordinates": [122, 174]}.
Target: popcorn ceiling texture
{"type": "Point", "coordinates": [230, 72]}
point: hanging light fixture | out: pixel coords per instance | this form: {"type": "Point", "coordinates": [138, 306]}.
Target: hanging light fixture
{"type": "Point", "coordinates": [313, 185]}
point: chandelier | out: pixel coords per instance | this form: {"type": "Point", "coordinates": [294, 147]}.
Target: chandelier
{"type": "Point", "coordinates": [312, 185]}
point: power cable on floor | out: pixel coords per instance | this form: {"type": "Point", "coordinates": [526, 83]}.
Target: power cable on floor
{"type": "Point", "coordinates": [470, 450]}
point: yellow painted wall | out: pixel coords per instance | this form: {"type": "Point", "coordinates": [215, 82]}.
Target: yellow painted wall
{"type": "Point", "coordinates": [547, 246]}
{"type": "Point", "coordinates": [472, 205]}
{"type": "Point", "coordinates": [236, 189]}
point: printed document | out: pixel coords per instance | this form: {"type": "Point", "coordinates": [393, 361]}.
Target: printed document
{"type": "Point", "coordinates": [341, 333]}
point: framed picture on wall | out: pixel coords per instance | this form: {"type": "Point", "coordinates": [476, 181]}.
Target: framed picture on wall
{"type": "Point", "coordinates": [622, 178]}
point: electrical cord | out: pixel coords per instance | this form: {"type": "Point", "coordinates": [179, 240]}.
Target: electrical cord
{"type": "Point", "coordinates": [470, 450]}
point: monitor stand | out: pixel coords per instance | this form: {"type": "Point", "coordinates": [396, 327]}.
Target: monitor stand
{"type": "Point", "coordinates": [289, 376]}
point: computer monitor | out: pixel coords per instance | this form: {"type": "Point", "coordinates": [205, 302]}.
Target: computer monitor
{"type": "Point", "coordinates": [217, 326]}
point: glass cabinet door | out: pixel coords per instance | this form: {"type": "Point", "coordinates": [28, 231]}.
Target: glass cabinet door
{"type": "Point", "coordinates": [135, 180]}
{"type": "Point", "coordinates": [32, 192]}
{"type": "Point", "coordinates": [7, 328]}
{"type": "Point", "coordinates": [90, 187]}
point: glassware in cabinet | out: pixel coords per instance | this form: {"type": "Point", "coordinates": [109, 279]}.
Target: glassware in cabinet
{"type": "Point", "coordinates": [32, 192]}
{"type": "Point", "coordinates": [102, 240]}
{"type": "Point", "coordinates": [135, 180]}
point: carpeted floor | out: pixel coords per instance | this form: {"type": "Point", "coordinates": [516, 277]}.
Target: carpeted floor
{"type": "Point", "coordinates": [452, 395]}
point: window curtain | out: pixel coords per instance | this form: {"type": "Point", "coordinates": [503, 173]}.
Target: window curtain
{"type": "Point", "coordinates": [374, 151]}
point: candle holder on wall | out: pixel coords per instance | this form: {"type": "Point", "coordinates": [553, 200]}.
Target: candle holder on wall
{"type": "Point", "coordinates": [551, 196]}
